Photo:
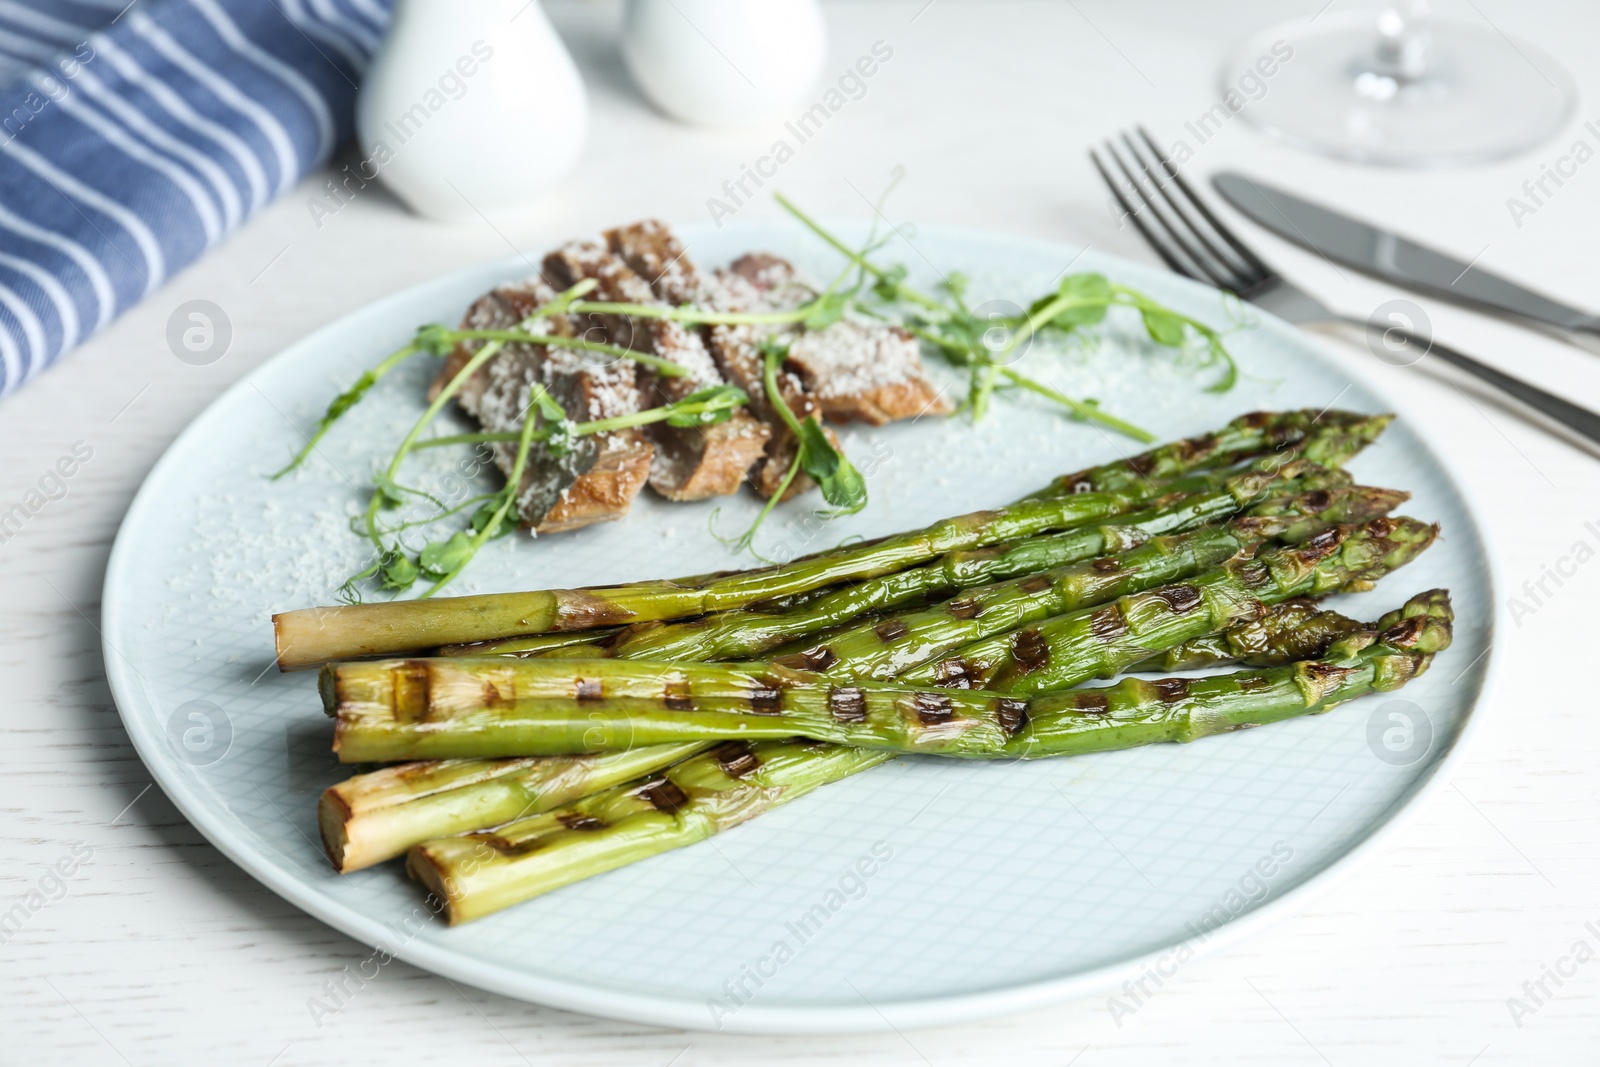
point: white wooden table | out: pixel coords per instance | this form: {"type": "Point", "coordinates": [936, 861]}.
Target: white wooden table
{"type": "Point", "coordinates": [156, 949]}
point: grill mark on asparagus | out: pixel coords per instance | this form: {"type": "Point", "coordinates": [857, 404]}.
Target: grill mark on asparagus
{"type": "Point", "coordinates": [590, 689]}
{"type": "Point", "coordinates": [965, 608]}
{"type": "Point", "coordinates": [1404, 633]}
{"type": "Point", "coordinates": [1091, 702]}
{"type": "Point", "coordinates": [1108, 623]}
{"type": "Point", "coordinates": [848, 704]}
{"type": "Point", "coordinates": [1319, 545]}
{"type": "Point", "coordinates": [736, 759]}
{"type": "Point", "coordinates": [579, 610]}
{"type": "Point", "coordinates": [1322, 677]}
{"type": "Point", "coordinates": [1253, 683]}
{"type": "Point", "coordinates": [573, 820]}
{"type": "Point", "coordinates": [1011, 714]}
{"type": "Point", "coordinates": [933, 708]}
{"type": "Point", "coordinates": [664, 795]}
{"type": "Point", "coordinates": [953, 674]}
{"type": "Point", "coordinates": [1170, 690]}
{"type": "Point", "coordinates": [413, 688]}
{"type": "Point", "coordinates": [1106, 565]}
{"type": "Point", "coordinates": [766, 700]}
{"type": "Point", "coordinates": [891, 630]}
{"type": "Point", "coordinates": [1180, 599]}
{"type": "Point", "coordinates": [1253, 574]}
{"type": "Point", "coordinates": [1037, 584]}
{"type": "Point", "coordinates": [1030, 649]}
{"type": "Point", "coordinates": [675, 695]}
{"type": "Point", "coordinates": [812, 659]}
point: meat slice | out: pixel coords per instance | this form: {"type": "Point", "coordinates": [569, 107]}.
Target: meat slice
{"type": "Point", "coordinates": [598, 478]}
{"type": "Point", "coordinates": [654, 252]}
{"type": "Point", "coordinates": [759, 283]}
{"type": "Point", "coordinates": [691, 463]}
{"type": "Point", "coordinates": [856, 369]}
{"type": "Point", "coordinates": [866, 372]}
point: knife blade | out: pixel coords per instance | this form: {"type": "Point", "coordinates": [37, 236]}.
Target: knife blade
{"type": "Point", "coordinates": [1371, 250]}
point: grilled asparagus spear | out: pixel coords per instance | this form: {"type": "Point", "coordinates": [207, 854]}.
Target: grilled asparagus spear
{"type": "Point", "coordinates": [481, 873]}
{"type": "Point", "coordinates": [888, 647]}
{"type": "Point", "coordinates": [312, 636]}
{"type": "Point", "coordinates": [374, 817]}
{"type": "Point", "coordinates": [1293, 630]}
{"type": "Point", "coordinates": [744, 633]}
{"type": "Point", "coordinates": [1097, 642]}
{"type": "Point", "coordinates": [497, 706]}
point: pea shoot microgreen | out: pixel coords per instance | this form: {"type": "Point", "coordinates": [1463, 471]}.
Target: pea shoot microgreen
{"type": "Point", "coordinates": [986, 343]}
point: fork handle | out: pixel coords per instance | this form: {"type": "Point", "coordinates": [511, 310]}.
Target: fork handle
{"type": "Point", "coordinates": [1579, 420]}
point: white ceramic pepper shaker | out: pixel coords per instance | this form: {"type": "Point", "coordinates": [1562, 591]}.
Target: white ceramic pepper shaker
{"type": "Point", "coordinates": [724, 62]}
{"type": "Point", "coordinates": [470, 109]}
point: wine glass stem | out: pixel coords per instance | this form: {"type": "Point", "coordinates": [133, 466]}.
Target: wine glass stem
{"type": "Point", "coordinates": [1403, 40]}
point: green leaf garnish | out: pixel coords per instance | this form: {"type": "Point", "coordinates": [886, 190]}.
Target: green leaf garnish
{"type": "Point", "coordinates": [440, 558]}
{"type": "Point", "coordinates": [826, 309]}
{"type": "Point", "coordinates": [1164, 327]}
{"type": "Point", "coordinates": [396, 570]}
{"type": "Point", "coordinates": [840, 482]}
{"type": "Point", "coordinates": [435, 339]}
{"type": "Point", "coordinates": [707, 407]}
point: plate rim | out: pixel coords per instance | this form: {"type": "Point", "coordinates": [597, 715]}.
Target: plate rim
{"type": "Point", "coordinates": [754, 1018]}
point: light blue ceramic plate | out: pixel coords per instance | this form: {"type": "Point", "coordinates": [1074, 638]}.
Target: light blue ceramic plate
{"type": "Point", "coordinates": [991, 888]}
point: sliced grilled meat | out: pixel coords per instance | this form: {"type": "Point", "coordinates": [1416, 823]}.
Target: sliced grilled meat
{"type": "Point", "coordinates": [597, 480]}
{"type": "Point", "coordinates": [691, 463]}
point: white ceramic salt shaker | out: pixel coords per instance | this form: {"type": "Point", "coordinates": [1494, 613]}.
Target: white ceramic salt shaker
{"type": "Point", "coordinates": [470, 109]}
{"type": "Point", "coordinates": [724, 62]}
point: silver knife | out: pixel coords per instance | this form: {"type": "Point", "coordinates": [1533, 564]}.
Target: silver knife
{"type": "Point", "coordinates": [1389, 256]}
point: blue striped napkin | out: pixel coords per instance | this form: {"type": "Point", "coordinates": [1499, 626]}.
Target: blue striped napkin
{"type": "Point", "coordinates": [135, 136]}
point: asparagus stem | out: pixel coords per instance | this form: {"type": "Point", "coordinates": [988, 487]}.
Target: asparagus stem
{"type": "Point", "coordinates": [536, 645]}
{"type": "Point", "coordinates": [377, 816]}
{"type": "Point", "coordinates": [887, 647]}
{"type": "Point", "coordinates": [312, 636]}
{"type": "Point", "coordinates": [464, 707]}
{"type": "Point", "coordinates": [481, 873]}
{"type": "Point", "coordinates": [745, 633]}
{"type": "Point", "coordinates": [383, 833]}
{"type": "Point", "coordinates": [1293, 630]}
{"type": "Point", "coordinates": [1328, 438]}
{"type": "Point", "coordinates": [1097, 642]}
{"type": "Point", "coordinates": [721, 702]}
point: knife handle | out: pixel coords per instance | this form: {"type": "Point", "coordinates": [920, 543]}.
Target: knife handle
{"type": "Point", "coordinates": [1579, 420]}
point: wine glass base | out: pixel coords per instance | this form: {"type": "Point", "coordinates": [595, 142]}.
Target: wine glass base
{"type": "Point", "coordinates": [1482, 98]}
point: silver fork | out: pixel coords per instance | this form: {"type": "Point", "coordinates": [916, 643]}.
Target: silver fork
{"type": "Point", "coordinates": [1191, 240]}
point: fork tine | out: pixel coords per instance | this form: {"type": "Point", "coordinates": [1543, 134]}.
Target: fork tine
{"type": "Point", "coordinates": [1255, 263]}
{"type": "Point", "coordinates": [1173, 262]}
{"type": "Point", "coordinates": [1240, 278]}
{"type": "Point", "coordinates": [1222, 279]}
